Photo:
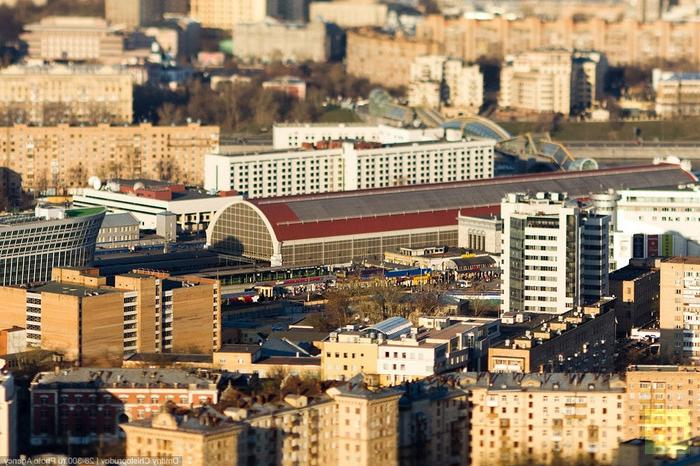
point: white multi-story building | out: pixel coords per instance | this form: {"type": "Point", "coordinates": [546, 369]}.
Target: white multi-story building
{"type": "Point", "coordinates": [348, 166]}
{"type": "Point", "coordinates": [677, 94]}
{"type": "Point", "coordinates": [290, 136]}
{"type": "Point", "coordinates": [436, 80]}
{"type": "Point", "coordinates": [538, 81]}
{"type": "Point", "coordinates": [555, 253]}
{"type": "Point", "coordinates": [650, 223]}
{"type": "Point", "coordinates": [8, 417]}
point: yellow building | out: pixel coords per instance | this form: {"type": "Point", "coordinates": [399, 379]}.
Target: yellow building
{"type": "Point", "coordinates": [679, 307]}
{"type": "Point", "coordinates": [661, 406]}
{"type": "Point", "coordinates": [78, 315]}
{"type": "Point", "coordinates": [225, 14]}
{"type": "Point", "coordinates": [544, 417]}
{"type": "Point", "coordinates": [198, 437]}
{"type": "Point", "coordinates": [65, 156]}
{"type": "Point", "coordinates": [47, 94]}
{"type": "Point", "coordinates": [348, 353]}
{"type": "Point", "coordinates": [345, 425]}
{"type": "Point", "coordinates": [133, 13]}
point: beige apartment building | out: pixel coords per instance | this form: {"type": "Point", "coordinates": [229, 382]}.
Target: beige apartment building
{"type": "Point", "coordinates": [273, 40]}
{"type": "Point", "coordinates": [623, 42]}
{"type": "Point", "coordinates": [133, 13]}
{"type": "Point", "coordinates": [637, 291]}
{"type": "Point", "coordinates": [544, 417]}
{"type": "Point", "coordinates": [49, 94]}
{"type": "Point", "coordinates": [350, 13]}
{"type": "Point", "coordinates": [79, 316]}
{"type": "Point", "coordinates": [679, 307]}
{"type": "Point", "coordinates": [225, 14]}
{"type": "Point", "coordinates": [348, 424]}
{"type": "Point", "coordinates": [661, 405]}
{"type": "Point", "coordinates": [66, 156]}
{"type": "Point", "coordinates": [73, 38]}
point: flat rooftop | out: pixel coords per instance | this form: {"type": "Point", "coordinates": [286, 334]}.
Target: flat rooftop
{"type": "Point", "coordinates": [107, 377]}
{"type": "Point", "coordinates": [72, 289]}
{"type": "Point", "coordinates": [629, 272]}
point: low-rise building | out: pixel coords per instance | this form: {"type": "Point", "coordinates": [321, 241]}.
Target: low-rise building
{"type": "Point", "coordinates": [479, 234]}
{"type": "Point", "coordinates": [636, 289]}
{"type": "Point", "coordinates": [83, 406]}
{"type": "Point", "coordinates": [251, 359]}
{"type": "Point", "coordinates": [676, 93]}
{"type": "Point", "coordinates": [344, 166]}
{"type": "Point", "coordinates": [289, 85]}
{"type": "Point", "coordinates": [78, 315]}
{"type": "Point", "coordinates": [64, 156]}
{"type": "Point", "coordinates": [580, 340]}
{"type": "Point", "coordinates": [118, 229]}
{"type": "Point", "coordinates": [147, 199]}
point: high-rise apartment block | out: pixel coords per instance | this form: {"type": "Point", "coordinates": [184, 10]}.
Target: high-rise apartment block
{"type": "Point", "coordinates": [437, 80]}
{"type": "Point", "coordinates": [538, 81]}
{"type": "Point", "coordinates": [73, 38]}
{"type": "Point", "coordinates": [66, 156]}
{"type": "Point", "coordinates": [79, 316]}
{"type": "Point", "coordinates": [555, 253]}
{"type": "Point", "coordinates": [133, 13]}
{"type": "Point", "coordinates": [344, 166]}
{"type": "Point", "coordinates": [679, 307]}
{"type": "Point", "coordinates": [50, 94]}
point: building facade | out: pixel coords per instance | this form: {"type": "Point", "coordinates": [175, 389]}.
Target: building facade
{"type": "Point", "coordinates": [118, 229]}
{"type": "Point", "coordinates": [636, 289]}
{"type": "Point", "coordinates": [349, 14]}
{"type": "Point", "coordinates": [73, 38]}
{"type": "Point", "coordinates": [78, 315]}
{"type": "Point", "coordinates": [579, 340]}
{"type": "Point", "coordinates": [555, 253]}
{"type": "Point", "coordinates": [348, 166]}
{"type": "Point", "coordinates": [537, 81]}
{"type": "Point", "coordinates": [8, 416]}
{"type": "Point", "coordinates": [83, 406]}
{"type": "Point", "coordinates": [225, 14]}
{"type": "Point", "coordinates": [51, 94]}
{"type": "Point", "coordinates": [679, 313]}
{"type": "Point", "coordinates": [272, 40]}
{"type": "Point", "coordinates": [32, 246]}
{"type": "Point", "coordinates": [64, 156]}
{"type": "Point", "coordinates": [676, 93]}
{"type": "Point", "coordinates": [438, 80]}
{"type": "Point", "coordinates": [133, 13]}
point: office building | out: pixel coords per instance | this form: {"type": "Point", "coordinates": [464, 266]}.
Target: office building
{"type": "Point", "coordinates": [579, 340]}
{"type": "Point", "coordinates": [132, 14]}
{"type": "Point", "coordinates": [679, 319]}
{"type": "Point", "coordinates": [78, 315]}
{"type": "Point", "coordinates": [438, 80]}
{"type": "Point", "coordinates": [636, 289]}
{"type": "Point", "coordinates": [676, 93]}
{"type": "Point", "coordinates": [346, 424]}
{"type": "Point", "coordinates": [345, 166]}
{"type": "Point", "coordinates": [8, 416]}
{"type": "Point", "coordinates": [544, 417]}
{"type": "Point", "coordinates": [537, 81]}
{"type": "Point", "coordinates": [273, 40]}
{"type": "Point", "coordinates": [226, 14]}
{"type": "Point", "coordinates": [65, 156]}
{"type": "Point", "coordinates": [85, 406]}
{"type": "Point", "coordinates": [32, 246]}
{"type": "Point", "coordinates": [294, 135]}
{"type": "Point", "coordinates": [73, 38]}
{"type": "Point", "coordinates": [335, 228]}
{"type": "Point", "coordinates": [52, 94]}
{"type": "Point", "coordinates": [349, 14]}
{"type": "Point", "coordinates": [193, 209]}
{"type": "Point", "coordinates": [555, 253]}
{"type": "Point", "coordinates": [588, 71]}
{"type": "Point", "coordinates": [660, 406]}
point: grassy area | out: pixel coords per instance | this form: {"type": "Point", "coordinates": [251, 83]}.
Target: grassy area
{"type": "Point", "coordinates": [663, 130]}
{"type": "Point", "coordinates": [338, 115]}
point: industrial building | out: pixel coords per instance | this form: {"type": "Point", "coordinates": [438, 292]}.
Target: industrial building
{"type": "Point", "coordinates": [337, 228]}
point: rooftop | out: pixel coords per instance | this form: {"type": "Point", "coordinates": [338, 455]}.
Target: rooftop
{"type": "Point", "coordinates": [72, 289]}
{"type": "Point", "coordinates": [691, 260]}
{"type": "Point", "coordinates": [87, 376]}
{"type": "Point", "coordinates": [629, 272]}
{"type": "Point", "coordinates": [235, 348]}
{"type": "Point", "coordinates": [552, 381]}
{"type": "Point", "coordinates": [431, 205]}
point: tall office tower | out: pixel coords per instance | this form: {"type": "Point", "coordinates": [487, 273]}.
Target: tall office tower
{"type": "Point", "coordinates": [554, 255]}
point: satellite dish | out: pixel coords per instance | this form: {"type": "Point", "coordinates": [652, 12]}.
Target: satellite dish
{"type": "Point", "coordinates": [138, 185]}
{"type": "Point", "coordinates": [113, 186]}
{"type": "Point", "coordinates": [95, 182]}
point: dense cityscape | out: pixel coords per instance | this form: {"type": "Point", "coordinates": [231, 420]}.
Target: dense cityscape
{"type": "Point", "coordinates": [350, 232]}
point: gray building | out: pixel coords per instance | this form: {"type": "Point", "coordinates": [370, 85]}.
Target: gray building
{"type": "Point", "coordinates": [116, 229]}
{"type": "Point", "coordinates": [31, 246]}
